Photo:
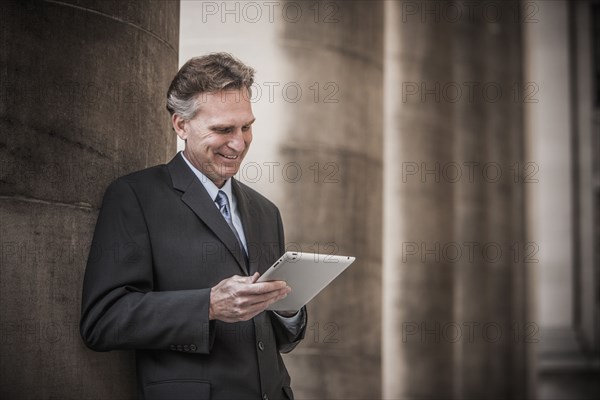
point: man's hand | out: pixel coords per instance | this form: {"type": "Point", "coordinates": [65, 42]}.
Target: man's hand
{"type": "Point", "coordinates": [240, 298]}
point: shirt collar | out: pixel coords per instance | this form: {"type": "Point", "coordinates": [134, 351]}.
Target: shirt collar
{"type": "Point", "coordinates": [210, 187]}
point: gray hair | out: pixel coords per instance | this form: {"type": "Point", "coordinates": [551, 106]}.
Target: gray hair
{"type": "Point", "coordinates": [206, 74]}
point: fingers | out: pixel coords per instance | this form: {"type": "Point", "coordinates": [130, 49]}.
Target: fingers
{"type": "Point", "coordinates": [249, 306]}
{"type": "Point", "coordinates": [265, 297]}
{"type": "Point", "coordinates": [240, 298]}
{"type": "Point", "coordinates": [239, 286]}
{"type": "Point", "coordinates": [252, 287]}
{"type": "Point", "coordinates": [245, 311]}
{"type": "Point", "coordinates": [245, 301]}
{"type": "Point", "coordinates": [247, 285]}
{"type": "Point", "coordinates": [264, 287]}
{"type": "Point", "coordinates": [257, 308]}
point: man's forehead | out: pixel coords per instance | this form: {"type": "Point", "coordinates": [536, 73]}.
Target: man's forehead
{"type": "Point", "coordinates": [226, 121]}
{"type": "Point", "coordinates": [225, 107]}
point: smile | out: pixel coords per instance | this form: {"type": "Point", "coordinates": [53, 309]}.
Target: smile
{"type": "Point", "coordinates": [228, 157]}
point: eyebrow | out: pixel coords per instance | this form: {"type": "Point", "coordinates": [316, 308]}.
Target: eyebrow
{"type": "Point", "coordinates": [225, 126]}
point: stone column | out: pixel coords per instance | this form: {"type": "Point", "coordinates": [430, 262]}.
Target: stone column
{"type": "Point", "coordinates": [418, 284]}
{"type": "Point", "coordinates": [82, 88]}
{"type": "Point", "coordinates": [453, 268]}
{"type": "Point", "coordinates": [341, 209]}
{"type": "Point", "coordinates": [490, 302]}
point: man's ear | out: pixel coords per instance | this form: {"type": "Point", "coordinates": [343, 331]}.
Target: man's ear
{"type": "Point", "coordinates": [179, 125]}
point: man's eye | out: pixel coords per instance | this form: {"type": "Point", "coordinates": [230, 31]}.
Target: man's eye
{"type": "Point", "coordinates": [223, 130]}
{"type": "Point", "coordinates": [246, 128]}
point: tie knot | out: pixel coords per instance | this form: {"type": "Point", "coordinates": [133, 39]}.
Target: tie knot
{"type": "Point", "coordinates": [221, 199]}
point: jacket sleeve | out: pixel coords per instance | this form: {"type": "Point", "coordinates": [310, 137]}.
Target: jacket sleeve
{"type": "Point", "coordinates": [288, 335]}
{"type": "Point", "coordinates": [120, 310]}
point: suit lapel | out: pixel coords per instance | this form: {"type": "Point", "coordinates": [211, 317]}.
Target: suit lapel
{"type": "Point", "coordinates": [198, 200]}
{"type": "Point", "coordinates": [250, 223]}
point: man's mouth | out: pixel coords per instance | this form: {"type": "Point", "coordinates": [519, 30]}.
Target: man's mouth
{"type": "Point", "coordinates": [228, 157]}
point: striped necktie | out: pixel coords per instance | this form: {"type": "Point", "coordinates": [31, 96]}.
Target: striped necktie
{"type": "Point", "coordinates": [223, 203]}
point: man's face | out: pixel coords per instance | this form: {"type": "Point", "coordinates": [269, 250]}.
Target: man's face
{"type": "Point", "coordinates": [219, 136]}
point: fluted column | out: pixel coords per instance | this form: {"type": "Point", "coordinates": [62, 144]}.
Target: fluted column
{"type": "Point", "coordinates": [454, 277]}
{"type": "Point", "coordinates": [82, 87]}
{"type": "Point", "coordinates": [490, 281]}
{"type": "Point", "coordinates": [418, 284]}
{"type": "Point", "coordinates": [341, 356]}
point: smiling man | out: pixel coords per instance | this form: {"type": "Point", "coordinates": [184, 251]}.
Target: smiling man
{"type": "Point", "coordinates": [177, 251]}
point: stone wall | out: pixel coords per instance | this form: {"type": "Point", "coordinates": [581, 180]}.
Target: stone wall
{"type": "Point", "coordinates": [82, 86]}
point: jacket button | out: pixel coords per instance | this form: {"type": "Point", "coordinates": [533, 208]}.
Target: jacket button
{"type": "Point", "coordinates": [261, 347]}
{"type": "Point", "coordinates": [193, 347]}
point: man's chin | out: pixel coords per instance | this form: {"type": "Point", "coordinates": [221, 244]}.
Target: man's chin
{"type": "Point", "coordinates": [222, 169]}
{"type": "Point", "coordinates": [227, 173]}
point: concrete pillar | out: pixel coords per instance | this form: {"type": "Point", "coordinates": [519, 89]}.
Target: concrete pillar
{"type": "Point", "coordinates": [490, 283]}
{"type": "Point", "coordinates": [317, 153]}
{"type": "Point", "coordinates": [418, 285]}
{"type": "Point", "coordinates": [550, 144]}
{"type": "Point", "coordinates": [82, 88]}
{"type": "Point", "coordinates": [453, 269]}
{"type": "Point", "coordinates": [341, 210]}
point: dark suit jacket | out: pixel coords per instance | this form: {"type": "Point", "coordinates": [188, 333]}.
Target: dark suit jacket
{"type": "Point", "coordinates": [160, 244]}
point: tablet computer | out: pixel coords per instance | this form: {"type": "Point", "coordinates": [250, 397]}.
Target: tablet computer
{"type": "Point", "coordinates": [306, 273]}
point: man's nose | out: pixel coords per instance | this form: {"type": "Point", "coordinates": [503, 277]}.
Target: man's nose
{"type": "Point", "coordinates": [237, 141]}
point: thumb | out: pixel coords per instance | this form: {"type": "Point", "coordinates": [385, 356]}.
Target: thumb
{"type": "Point", "coordinates": [253, 278]}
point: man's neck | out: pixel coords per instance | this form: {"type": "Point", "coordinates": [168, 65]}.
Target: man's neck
{"type": "Point", "coordinates": [218, 183]}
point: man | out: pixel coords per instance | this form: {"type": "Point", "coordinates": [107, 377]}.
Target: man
{"type": "Point", "coordinates": [177, 251]}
